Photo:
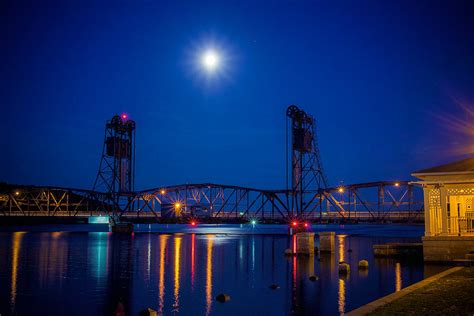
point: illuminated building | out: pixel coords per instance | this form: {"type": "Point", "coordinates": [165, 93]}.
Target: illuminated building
{"type": "Point", "coordinates": [449, 204]}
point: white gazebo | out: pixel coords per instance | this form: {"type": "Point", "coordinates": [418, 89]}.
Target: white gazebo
{"type": "Point", "coordinates": [449, 205]}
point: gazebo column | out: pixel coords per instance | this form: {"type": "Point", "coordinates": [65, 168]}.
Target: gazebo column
{"type": "Point", "coordinates": [428, 210]}
{"type": "Point", "coordinates": [444, 211]}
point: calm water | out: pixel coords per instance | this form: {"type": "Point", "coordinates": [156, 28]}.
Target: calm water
{"type": "Point", "coordinates": [83, 272]}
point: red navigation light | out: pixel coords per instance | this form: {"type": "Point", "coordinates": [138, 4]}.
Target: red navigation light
{"type": "Point", "coordinates": [124, 116]}
{"type": "Point", "coordinates": [306, 225]}
{"type": "Point", "coordinates": [193, 223]}
{"type": "Point", "coordinates": [294, 223]}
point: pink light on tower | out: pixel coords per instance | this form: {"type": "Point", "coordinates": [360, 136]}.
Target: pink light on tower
{"type": "Point", "coordinates": [124, 116]}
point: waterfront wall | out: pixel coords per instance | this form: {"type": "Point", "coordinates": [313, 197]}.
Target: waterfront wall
{"type": "Point", "coordinates": [447, 248]}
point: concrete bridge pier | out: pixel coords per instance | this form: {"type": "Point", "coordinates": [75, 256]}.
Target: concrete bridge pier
{"type": "Point", "coordinates": [305, 243]}
{"type": "Point", "coordinates": [327, 241]}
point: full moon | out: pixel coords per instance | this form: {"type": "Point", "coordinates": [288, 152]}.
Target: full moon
{"type": "Point", "coordinates": [210, 60]}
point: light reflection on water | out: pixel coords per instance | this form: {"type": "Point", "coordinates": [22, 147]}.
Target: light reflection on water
{"type": "Point", "coordinates": [177, 264]}
{"type": "Point", "coordinates": [342, 284]}
{"type": "Point", "coordinates": [16, 246]}
{"type": "Point", "coordinates": [51, 273]}
{"type": "Point", "coordinates": [98, 255]}
{"type": "Point", "coordinates": [398, 277]}
{"type": "Point", "coordinates": [161, 288]}
{"type": "Point", "coordinates": [209, 275]}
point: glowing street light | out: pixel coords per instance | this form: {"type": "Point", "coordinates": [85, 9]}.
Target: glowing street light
{"type": "Point", "coordinates": [17, 193]}
{"type": "Point", "coordinates": [397, 184]}
{"type": "Point", "coordinates": [341, 189]}
{"type": "Point", "coordinates": [177, 205]}
{"type": "Point", "coordinates": [162, 192]}
{"type": "Point", "coordinates": [253, 222]}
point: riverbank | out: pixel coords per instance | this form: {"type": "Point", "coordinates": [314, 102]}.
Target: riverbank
{"type": "Point", "coordinates": [447, 293]}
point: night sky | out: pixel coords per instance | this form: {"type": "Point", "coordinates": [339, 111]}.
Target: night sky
{"type": "Point", "coordinates": [390, 84]}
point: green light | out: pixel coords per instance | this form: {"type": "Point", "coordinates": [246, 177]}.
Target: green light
{"type": "Point", "coordinates": [98, 220]}
{"type": "Point", "coordinates": [253, 222]}
{"type": "Point", "coordinates": [241, 213]}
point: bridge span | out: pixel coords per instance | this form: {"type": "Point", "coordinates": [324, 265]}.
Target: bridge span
{"type": "Point", "coordinates": [372, 202]}
{"type": "Point", "coordinates": [307, 195]}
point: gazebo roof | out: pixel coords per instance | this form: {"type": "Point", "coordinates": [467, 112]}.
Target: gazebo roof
{"type": "Point", "coordinates": [460, 166]}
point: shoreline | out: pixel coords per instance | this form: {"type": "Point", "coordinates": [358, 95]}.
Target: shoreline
{"type": "Point", "coordinates": [429, 296]}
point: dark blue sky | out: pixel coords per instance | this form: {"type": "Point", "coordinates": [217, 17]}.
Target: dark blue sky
{"type": "Point", "coordinates": [378, 76]}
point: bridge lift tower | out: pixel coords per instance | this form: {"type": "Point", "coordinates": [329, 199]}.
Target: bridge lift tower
{"type": "Point", "coordinates": [304, 159]}
{"type": "Point", "coordinates": [116, 172]}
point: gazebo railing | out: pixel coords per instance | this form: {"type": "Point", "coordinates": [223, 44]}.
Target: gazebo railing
{"type": "Point", "coordinates": [460, 225]}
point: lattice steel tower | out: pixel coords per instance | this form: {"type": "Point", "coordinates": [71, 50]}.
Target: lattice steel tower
{"type": "Point", "coordinates": [117, 166]}
{"type": "Point", "coordinates": [303, 157]}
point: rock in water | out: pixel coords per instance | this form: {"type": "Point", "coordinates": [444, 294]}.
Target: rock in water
{"type": "Point", "coordinates": [344, 268]}
{"type": "Point", "coordinates": [222, 298]}
{"type": "Point", "coordinates": [313, 278]}
{"type": "Point", "coordinates": [363, 264]}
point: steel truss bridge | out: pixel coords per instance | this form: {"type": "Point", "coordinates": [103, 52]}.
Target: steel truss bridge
{"type": "Point", "coordinates": [307, 194]}
{"type": "Point", "coordinates": [372, 202]}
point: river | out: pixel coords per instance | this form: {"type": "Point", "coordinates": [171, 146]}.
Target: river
{"type": "Point", "coordinates": [178, 269]}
